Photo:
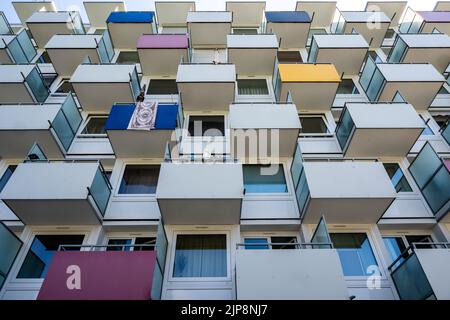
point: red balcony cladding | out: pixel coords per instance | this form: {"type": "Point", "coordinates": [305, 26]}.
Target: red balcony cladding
{"type": "Point", "coordinates": [104, 275]}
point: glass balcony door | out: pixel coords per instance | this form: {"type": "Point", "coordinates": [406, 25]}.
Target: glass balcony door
{"type": "Point", "coordinates": [10, 246]}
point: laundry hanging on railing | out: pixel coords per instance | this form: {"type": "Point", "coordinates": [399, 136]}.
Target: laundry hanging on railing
{"type": "Point", "coordinates": [144, 116]}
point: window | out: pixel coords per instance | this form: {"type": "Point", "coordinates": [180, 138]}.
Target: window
{"type": "Point", "coordinates": [289, 57]}
{"type": "Point", "coordinates": [313, 124]}
{"type": "Point", "coordinates": [211, 126]}
{"type": "Point", "coordinates": [355, 253]}
{"type": "Point", "coordinates": [396, 245]}
{"type": "Point", "coordinates": [316, 31]}
{"type": "Point", "coordinates": [245, 31]}
{"type": "Point", "coordinates": [44, 58]}
{"type": "Point", "coordinates": [390, 33]}
{"type": "Point", "coordinates": [6, 175]}
{"type": "Point", "coordinates": [95, 125]}
{"type": "Point", "coordinates": [347, 86]}
{"type": "Point", "coordinates": [422, 239]}
{"type": "Point", "coordinates": [200, 256]}
{"type": "Point", "coordinates": [127, 244]}
{"type": "Point", "coordinates": [375, 56]}
{"type": "Point", "coordinates": [49, 78]}
{"type": "Point", "coordinates": [262, 243]}
{"type": "Point", "coordinates": [168, 86]}
{"type": "Point", "coordinates": [441, 120]}
{"type": "Point", "coordinates": [65, 87]}
{"type": "Point", "coordinates": [41, 253]}
{"type": "Point", "coordinates": [139, 179]}
{"type": "Point", "coordinates": [397, 177]}
{"type": "Point", "coordinates": [252, 87]}
{"type": "Point", "coordinates": [264, 178]}
{"type": "Point", "coordinates": [128, 57]}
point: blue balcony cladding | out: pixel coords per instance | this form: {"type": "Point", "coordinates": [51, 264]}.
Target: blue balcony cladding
{"type": "Point", "coordinates": [287, 16]}
{"type": "Point", "coordinates": [120, 116]}
{"type": "Point", "coordinates": [131, 17]}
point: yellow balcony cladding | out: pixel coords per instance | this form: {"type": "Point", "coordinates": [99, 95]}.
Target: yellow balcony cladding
{"type": "Point", "coordinates": [311, 86]}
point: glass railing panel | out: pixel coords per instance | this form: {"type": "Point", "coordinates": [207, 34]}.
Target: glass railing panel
{"type": "Point", "coordinates": [367, 73]}
{"type": "Point", "coordinates": [161, 246]}
{"type": "Point", "coordinates": [100, 191]}
{"type": "Point", "coordinates": [35, 154]}
{"type": "Point", "coordinates": [437, 191]}
{"type": "Point", "coordinates": [302, 192]}
{"type": "Point", "coordinates": [446, 133]}
{"type": "Point", "coordinates": [102, 53]}
{"type": "Point", "coordinates": [5, 28]}
{"type": "Point", "coordinates": [135, 84]}
{"type": "Point", "coordinates": [106, 39]}
{"type": "Point", "coordinates": [37, 86]}
{"type": "Point", "coordinates": [312, 57]}
{"type": "Point", "coordinates": [72, 113]}
{"type": "Point", "coordinates": [425, 165]}
{"type": "Point", "coordinates": [16, 52]}
{"type": "Point", "coordinates": [77, 23]}
{"type": "Point", "coordinates": [411, 281]}
{"type": "Point", "coordinates": [345, 129]}
{"type": "Point", "coordinates": [408, 19]}
{"type": "Point", "coordinates": [9, 247]}
{"type": "Point", "coordinates": [157, 283]}
{"type": "Point", "coordinates": [376, 83]}
{"type": "Point", "coordinates": [321, 235]}
{"type": "Point", "coordinates": [63, 130]}
{"type": "Point", "coordinates": [26, 45]}
{"type": "Point", "coordinates": [297, 165]}
{"type": "Point", "coordinates": [398, 51]}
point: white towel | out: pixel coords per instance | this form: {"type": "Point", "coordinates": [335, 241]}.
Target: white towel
{"type": "Point", "coordinates": [144, 116]}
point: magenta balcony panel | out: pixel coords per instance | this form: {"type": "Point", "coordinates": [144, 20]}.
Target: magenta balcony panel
{"type": "Point", "coordinates": [163, 41]}
{"type": "Point", "coordinates": [104, 275]}
{"type": "Point", "coordinates": [447, 164]}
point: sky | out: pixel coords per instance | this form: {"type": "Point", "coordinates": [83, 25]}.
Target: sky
{"type": "Point", "coordinates": [132, 5]}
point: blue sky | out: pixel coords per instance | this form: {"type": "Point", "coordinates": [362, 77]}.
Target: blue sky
{"type": "Point", "coordinates": [6, 6]}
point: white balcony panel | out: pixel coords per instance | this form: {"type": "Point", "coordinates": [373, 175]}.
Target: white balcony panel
{"type": "Point", "coordinates": [97, 12]}
{"type": "Point", "coordinates": [132, 209]}
{"type": "Point", "coordinates": [246, 14]}
{"type": "Point", "coordinates": [289, 275]}
{"type": "Point", "coordinates": [25, 10]}
{"type": "Point", "coordinates": [394, 10]}
{"type": "Point", "coordinates": [252, 54]}
{"type": "Point", "coordinates": [52, 193]}
{"type": "Point", "coordinates": [173, 14]}
{"type": "Point", "coordinates": [197, 193]}
{"type": "Point", "coordinates": [371, 25]}
{"type": "Point", "coordinates": [209, 28]}
{"type": "Point", "coordinates": [13, 88]}
{"type": "Point", "coordinates": [413, 208]}
{"type": "Point", "coordinates": [319, 145]}
{"type": "Point", "coordinates": [323, 12]}
{"type": "Point", "coordinates": [206, 87]}
{"type": "Point", "coordinates": [274, 128]}
{"type": "Point", "coordinates": [68, 51]}
{"type": "Point", "coordinates": [347, 192]}
{"type": "Point", "coordinates": [435, 264]}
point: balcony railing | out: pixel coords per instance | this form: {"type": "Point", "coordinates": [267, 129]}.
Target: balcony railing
{"type": "Point", "coordinates": [5, 27]}
{"type": "Point", "coordinates": [445, 133]}
{"type": "Point", "coordinates": [21, 49]}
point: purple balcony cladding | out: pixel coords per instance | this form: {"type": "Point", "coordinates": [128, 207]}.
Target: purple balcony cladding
{"type": "Point", "coordinates": [435, 16]}
{"type": "Point", "coordinates": [163, 41]}
{"type": "Point", "coordinates": [104, 275]}
{"type": "Point", "coordinates": [447, 164]}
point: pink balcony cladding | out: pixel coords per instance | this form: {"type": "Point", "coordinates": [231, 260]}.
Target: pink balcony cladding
{"type": "Point", "coordinates": [103, 275]}
{"type": "Point", "coordinates": [447, 164]}
{"type": "Point", "coordinates": [435, 16]}
{"type": "Point", "coordinates": [163, 41]}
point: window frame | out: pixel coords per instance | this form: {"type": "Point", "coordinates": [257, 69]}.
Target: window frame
{"type": "Point", "coordinates": [253, 96]}
{"type": "Point", "coordinates": [202, 137]}
{"type": "Point", "coordinates": [315, 115]}
{"type": "Point", "coordinates": [120, 177]}
{"type": "Point", "coordinates": [272, 194]}
{"type": "Point", "coordinates": [118, 235]}
{"type": "Point", "coordinates": [86, 122]}
{"type": "Point", "coordinates": [171, 267]}
{"type": "Point", "coordinates": [268, 238]}
{"type": "Point", "coordinates": [404, 175]}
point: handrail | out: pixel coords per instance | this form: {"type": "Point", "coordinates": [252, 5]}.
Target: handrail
{"type": "Point", "coordinates": [298, 245]}
{"type": "Point", "coordinates": [62, 247]}
{"type": "Point", "coordinates": [409, 251]}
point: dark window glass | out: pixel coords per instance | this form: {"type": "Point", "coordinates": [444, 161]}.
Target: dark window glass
{"type": "Point", "coordinates": [313, 125]}
{"type": "Point", "coordinates": [48, 79]}
{"type": "Point", "coordinates": [264, 179]}
{"type": "Point", "coordinates": [390, 33]}
{"type": "Point", "coordinates": [395, 247]}
{"type": "Point", "coordinates": [139, 179]}
{"type": "Point", "coordinates": [211, 126]}
{"type": "Point", "coordinates": [148, 241]}
{"type": "Point", "coordinates": [65, 87]}
{"type": "Point", "coordinates": [245, 31]}
{"type": "Point", "coordinates": [95, 125]}
{"type": "Point", "coordinates": [252, 87]}
{"type": "Point", "coordinates": [289, 57]}
{"type": "Point", "coordinates": [398, 179]}
{"type": "Point", "coordinates": [421, 239]}
{"type": "Point", "coordinates": [256, 243]}
{"type": "Point", "coordinates": [128, 57]}
{"type": "Point", "coordinates": [44, 58]}
{"type": "Point", "coordinates": [41, 253]}
{"type": "Point", "coordinates": [162, 87]}
{"type": "Point", "coordinates": [375, 56]}
{"type": "Point", "coordinates": [283, 240]}
{"type": "Point", "coordinates": [347, 86]}
{"type": "Point", "coordinates": [6, 175]}
{"type": "Point", "coordinates": [119, 245]}
{"type": "Point", "coordinates": [200, 256]}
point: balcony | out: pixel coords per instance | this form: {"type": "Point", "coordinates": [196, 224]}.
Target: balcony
{"type": "Point", "coordinates": [209, 29]}
{"type": "Point", "coordinates": [98, 12]}
{"type": "Point", "coordinates": [98, 87]}
{"type": "Point", "coordinates": [206, 86]}
{"type": "Point", "coordinates": [272, 130]}
{"type": "Point", "coordinates": [291, 28]}
{"type": "Point", "coordinates": [420, 272]}
{"type": "Point", "coordinates": [161, 54]}
{"type": "Point", "coordinates": [246, 14]}
{"type": "Point", "coordinates": [214, 198]}
{"type": "Point", "coordinates": [321, 12]}
{"type": "Point", "coordinates": [44, 25]}
{"type": "Point", "coordinates": [425, 21]}
{"type": "Point", "coordinates": [296, 271]}
{"type": "Point", "coordinates": [52, 126]}
{"type": "Point", "coordinates": [24, 10]}
{"type": "Point", "coordinates": [418, 84]}
{"type": "Point", "coordinates": [173, 15]}
{"type": "Point", "coordinates": [58, 193]}
{"type": "Point", "coordinates": [422, 48]}
{"type": "Point", "coordinates": [432, 175]}
{"type": "Point", "coordinates": [346, 51]}
{"type": "Point", "coordinates": [371, 25]}
{"type": "Point", "coordinates": [125, 28]}
{"type": "Point", "coordinates": [16, 49]}
{"type": "Point", "coordinates": [343, 191]}
{"type": "Point", "coordinates": [252, 54]}
{"type": "Point", "coordinates": [378, 130]}
{"type": "Point", "coordinates": [394, 10]}
{"type": "Point", "coordinates": [67, 52]}
{"type": "Point", "coordinates": [22, 84]}
{"type": "Point", "coordinates": [311, 87]}
{"type": "Point", "coordinates": [129, 143]}
{"type": "Point", "coordinates": [137, 272]}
